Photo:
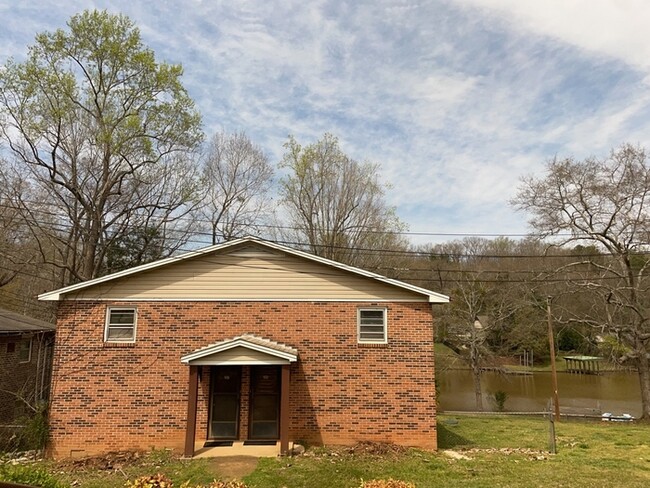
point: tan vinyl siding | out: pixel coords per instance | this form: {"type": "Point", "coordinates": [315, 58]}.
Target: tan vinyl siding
{"type": "Point", "coordinates": [239, 355]}
{"type": "Point", "coordinates": [266, 275]}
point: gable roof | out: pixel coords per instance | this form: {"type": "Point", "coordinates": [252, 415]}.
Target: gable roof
{"type": "Point", "coordinates": [15, 323]}
{"type": "Point", "coordinates": [432, 296]}
{"type": "Point", "coordinates": [247, 341]}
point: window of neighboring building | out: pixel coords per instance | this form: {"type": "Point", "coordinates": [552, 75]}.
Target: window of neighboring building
{"type": "Point", "coordinates": [25, 351]}
{"type": "Point", "coordinates": [120, 324]}
{"type": "Point", "coordinates": [372, 327]}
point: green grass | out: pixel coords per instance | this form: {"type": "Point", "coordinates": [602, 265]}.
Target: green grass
{"type": "Point", "coordinates": [447, 358]}
{"type": "Point", "coordinates": [560, 365]}
{"type": "Point", "coordinates": [91, 476]}
{"type": "Point", "coordinates": [441, 350]}
{"type": "Point", "coordinates": [503, 450]}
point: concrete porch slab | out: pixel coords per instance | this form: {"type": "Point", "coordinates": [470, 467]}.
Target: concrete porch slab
{"type": "Point", "coordinates": [238, 449]}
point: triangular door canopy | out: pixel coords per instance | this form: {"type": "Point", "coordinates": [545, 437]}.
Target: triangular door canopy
{"type": "Point", "coordinates": [242, 350]}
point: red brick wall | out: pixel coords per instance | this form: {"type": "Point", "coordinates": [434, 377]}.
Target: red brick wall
{"type": "Point", "coordinates": [23, 379]}
{"type": "Point", "coordinates": [110, 397]}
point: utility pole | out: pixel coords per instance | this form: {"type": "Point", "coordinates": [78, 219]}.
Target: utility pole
{"type": "Point", "coordinates": [551, 343]}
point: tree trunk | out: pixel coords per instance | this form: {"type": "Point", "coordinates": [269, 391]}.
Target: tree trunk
{"type": "Point", "coordinates": [477, 389]}
{"type": "Point", "coordinates": [476, 374]}
{"type": "Point", "coordinates": [643, 365]}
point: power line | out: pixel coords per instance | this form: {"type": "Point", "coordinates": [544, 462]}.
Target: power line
{"type": "Point", "coordinates": [437, 280]}
{"type": "Point", "coordinates": [366, 230]}
{"type": "Point", "coordinates": [61, 227]}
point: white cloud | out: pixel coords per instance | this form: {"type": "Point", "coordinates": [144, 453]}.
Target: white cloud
{"type": "Point", "coordinates": [616, 28]}
{"type": "Point", "coordinates": [455, 99]}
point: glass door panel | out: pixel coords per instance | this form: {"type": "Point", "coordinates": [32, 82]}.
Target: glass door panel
{"type": "Point", "coordinates": [224, 415]}
{"type": "Point", "coordinates": [265, 402]}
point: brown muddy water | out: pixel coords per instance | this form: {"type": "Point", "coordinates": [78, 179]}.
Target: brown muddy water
{"type": "Point", "coordinates": [617, 393]}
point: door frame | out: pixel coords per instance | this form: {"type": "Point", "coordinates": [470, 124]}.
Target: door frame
{"type": "Point", "coordinates": [213, 381]}
{"type": "Point", "coordinates": [251, 402]}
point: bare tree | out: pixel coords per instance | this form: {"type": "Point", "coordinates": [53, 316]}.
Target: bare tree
{"type": "Point", "coordinates": [604, 202]}
{"type": "Point", "coordinates": [237, 178]}
{"type": "Point", "coordinates": [336, 204]}
{"type": "Point", "coordinates": [101, 137]}
{"type": "Point", "coordinates": [469, 272]}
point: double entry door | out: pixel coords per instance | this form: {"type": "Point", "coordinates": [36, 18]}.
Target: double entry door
{"type": "Point", "coordinates": [226, 402]}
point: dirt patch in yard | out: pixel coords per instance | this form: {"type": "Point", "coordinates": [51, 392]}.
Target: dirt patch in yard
{"type": "Point", "coordinates": [112, 461]}
{"type": "Point", "coordinates": [233, 467]}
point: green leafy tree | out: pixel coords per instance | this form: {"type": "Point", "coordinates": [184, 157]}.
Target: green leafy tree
{"type": "Point", "coordinates": [101, 139]}
{"type": "Point", "coordinates": [140, 246]}
{"type": "Point", "coordinates": [336, 204]}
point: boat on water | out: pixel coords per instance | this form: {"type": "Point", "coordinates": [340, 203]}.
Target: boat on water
{"type": "Point", "coordinates": [610, 417]}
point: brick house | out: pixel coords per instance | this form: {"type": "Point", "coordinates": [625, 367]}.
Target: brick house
{"type": "Point", "coordinates": [25, 364]}
{"type": "Point", "coordinates": [247, 341]}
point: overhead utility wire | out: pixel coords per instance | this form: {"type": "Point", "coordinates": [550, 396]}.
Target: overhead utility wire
{"type": "Point", "coordinates": [369, 231]}
{"type": "Point", "coordinates": [370, 251]}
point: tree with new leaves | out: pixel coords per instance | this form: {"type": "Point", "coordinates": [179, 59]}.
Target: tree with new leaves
{"type": "Point", "coordinates": [336, 204]}
{"type": "Point", "coordinates": [237, 177]}
{"type": "Point", "coordinates": [603, 202]}
{"type": "Point", "coordinates": [101, 139]}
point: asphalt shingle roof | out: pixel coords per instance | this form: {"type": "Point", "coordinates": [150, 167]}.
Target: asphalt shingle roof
{"type": "Point", "coordinates": [11, 322]}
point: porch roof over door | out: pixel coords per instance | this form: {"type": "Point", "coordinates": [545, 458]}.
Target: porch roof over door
{"type": "Point", "coordinates": [246, 349]}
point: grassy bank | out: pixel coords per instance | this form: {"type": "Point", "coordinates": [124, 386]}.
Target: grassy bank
{"type": "Point", "coordinates": [487, 452]}
{"type": "Point", "coordinates": [446, 358]}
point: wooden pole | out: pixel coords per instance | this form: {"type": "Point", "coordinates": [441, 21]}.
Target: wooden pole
{"type": "Point", "coordinates": [551, 342]}
{"type": "Point", "coordinates": [284, 409]}
{"type": "Point", "coordinates": [192, 396]}
{"type": "Point", "coordinates": [552, 447]}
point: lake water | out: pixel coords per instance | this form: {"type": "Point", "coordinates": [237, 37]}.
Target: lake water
{"type": "Point", "coordinates": [609, 392]}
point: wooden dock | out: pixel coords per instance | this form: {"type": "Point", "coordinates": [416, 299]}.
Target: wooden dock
{"type": "Point", "coordinates": [583, 364]}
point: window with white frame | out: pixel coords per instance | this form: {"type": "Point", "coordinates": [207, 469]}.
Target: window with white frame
{"type": "Point", "coordinates": [120, 324]}
{"type": "Point", "coordinates": [25, 350]}
{"type": "Point", "coordinates": [372, 325]}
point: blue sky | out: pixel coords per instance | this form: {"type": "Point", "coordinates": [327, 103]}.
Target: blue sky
{"type": "Point", "coordinates": [455, 100]}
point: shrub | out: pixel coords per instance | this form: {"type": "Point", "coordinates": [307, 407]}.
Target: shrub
{"type": "Point", "coordinates": [28, 475]}
{"type": "Point", "coordinates": [389, 483]}
{"type": "Point", "coordinates": [499, 397]}
{"type": "Point", "coordinates": [35, 431]}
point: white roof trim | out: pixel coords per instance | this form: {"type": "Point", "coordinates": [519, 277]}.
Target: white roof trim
{"type": "Point", "coordinates": [271, 361]}
{"type": "Point", "coordinates": [287, 354]}
{"type": "Point", "coordinates": [56, 295]}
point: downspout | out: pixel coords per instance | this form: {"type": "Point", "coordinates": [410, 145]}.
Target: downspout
{"type": "Point", "coordinates": [37, 386]}
{"type": "Point", "coordinates": [44, 368]}
{"type": "Point", "coordinates": [433, 355]}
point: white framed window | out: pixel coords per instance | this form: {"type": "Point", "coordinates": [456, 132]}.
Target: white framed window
{"type": "Point", "coordinates": [120, 324]}
{"type": "Point", "coordinates": [372, 325]}
{"type": "Point", "coordinates": [25, 350]}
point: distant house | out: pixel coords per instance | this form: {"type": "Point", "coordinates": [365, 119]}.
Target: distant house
{"type": "Point", "coordinates": [25, 363]}
{"type": "Point", "coordinates": [247, 342]}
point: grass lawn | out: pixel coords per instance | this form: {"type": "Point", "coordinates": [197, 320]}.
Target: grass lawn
{"type": "Point", "coordinates": [490, 452]}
